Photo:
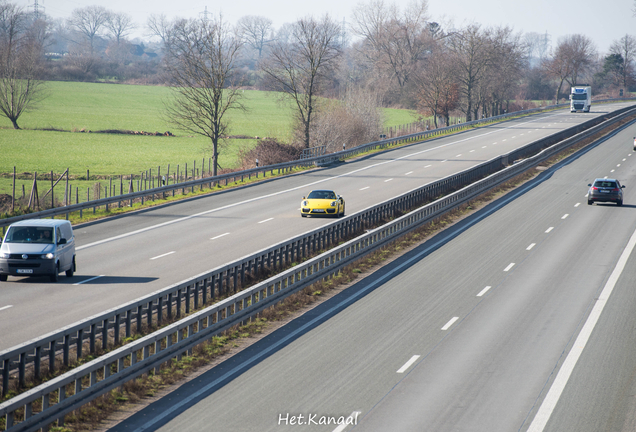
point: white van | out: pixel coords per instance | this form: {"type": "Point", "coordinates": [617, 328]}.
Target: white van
{"type": "Point", "coordinates": [38, 247]}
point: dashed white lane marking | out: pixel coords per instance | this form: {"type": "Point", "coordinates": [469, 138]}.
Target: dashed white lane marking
{"type": "Point", "coordinates": [612, 170]}
{"type": "Point", "coordinates": [444, 161]}
{"type": "Point", "coordinates": [6, 307]}
{"type": "Point", "coordinates": [410, 172]}
{"type": "Point", "coordinates": [511, 265]}
{"type": "Point", "coordinates": [161, 256]}
{"type": "Point", "coordinates": [88, 280]}
{"type": "Point", "coordinates": [266, 220]}
{"type": "Point", "coordinates": [388, 180]}
{"type": "Point", "coordinates": [428, 166]}
{"type": "Point", "coordinates": [577, 204]}
{"type": "Point", "coordinates": [471, 151]}
{"type": "Point", "coordinates": [554, 394]}
{"type": "Point", "coordinates": [219, 236]}
{"type": "Point", "coordinates": [484, 146]}
{"type": "Point", "coordinates": [408, 364]}
{"type": "Point", "coordinates": [450, 323]}
{"type": "Point", "coordinates": [531, 246]}
{"type": "Point", "coordinates": [565, 216]}
{"type": "Point", "coordinates": [484, 291]}
{"type": "Point", "coordinates": [618, 165]}
{"type": "Point", "coordinates": [351, 420]}
{"type": "Point", "coordinates": [624, 159]}
{"type": "Point", "coordinates": [549, 229]}
{"type": "Point", "coordinates": [365, 188]}
{"type": "Point", "coordinates": [458, 155]}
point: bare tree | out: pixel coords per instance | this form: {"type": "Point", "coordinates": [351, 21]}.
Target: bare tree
{"type": "Point", "coordinates": [470, 51]}
{"type": "Point", "coordinates": [88, 22]}
{"type": "Point", "coordinates": [437, 90]}
{"type": "Point", "coordinates": [574, 55]}
{"type": "Point", "coordinates": [298, 68]}
{"type": "Point", "coordinates": [626, 48]}
{"type": "Point", "coordinates": [255, 32]}
{"type": "Point", "coordinates": [200, 63]}
{"type": "Point", "coordinates": [394, 40]}
{"type": "Point", "coordinates": [20, 62]}
{"type": "Point", "coordinates": [509, 60]}
{"type": "Point", "coordinates": [119, 25]}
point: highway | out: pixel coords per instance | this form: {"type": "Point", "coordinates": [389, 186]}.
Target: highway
{"type": "Point", "coordinates": [524, 307]}
{"type": "Point", "coordinates": [124, 258]}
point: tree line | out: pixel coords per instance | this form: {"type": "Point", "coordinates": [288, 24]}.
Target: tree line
{"type": "Point", "coordinates": [335, 75]}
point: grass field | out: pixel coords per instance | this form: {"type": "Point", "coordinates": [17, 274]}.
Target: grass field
{"type": "Point", "coordinates": [72, 107]}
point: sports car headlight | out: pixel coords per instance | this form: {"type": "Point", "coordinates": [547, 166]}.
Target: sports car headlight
{"type": "Point", "coordinates": [47, 256]}
{"type": "Point", "coordinates": [333, 203]}
{"type": "Point", "coordinates": [305, 203]}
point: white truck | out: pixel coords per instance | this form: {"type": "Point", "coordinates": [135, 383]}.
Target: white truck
{"type": "Point", "coordinates": [581, 98]}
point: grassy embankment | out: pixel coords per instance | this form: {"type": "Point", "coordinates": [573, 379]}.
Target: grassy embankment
{"type": "Point", "coordinates": [72, 107]}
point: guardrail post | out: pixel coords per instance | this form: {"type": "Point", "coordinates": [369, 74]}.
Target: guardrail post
{"type": "Point", "coordinates": [187, 299]}
{"type": "Point", "coordinates": [52, 356]}
{"type": "Point", "coordinates": [116, 329]}
{"type": "Point", "coordinates": [159, 310]}
{"type": "Point", "coordinates": [105, 333]}
{"type": "Point", "coordinates": [169, 308]}
{"type": "Point", "coordinates": [80, 342]}
{"type": "Point", "coordinates": [5, 376]}
{"type": "Point", "coordinates": [36, 362]}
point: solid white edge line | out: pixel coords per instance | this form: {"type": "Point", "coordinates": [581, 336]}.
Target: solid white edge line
{"type": "Point", "coordinates": [88, 280]}
{"type": "Point", "coordinates": [266, 220]}
{"type": "Point", "coordinates": [511, 265]}
{"type": "Point", "coordinates": [554, 394]}
{"type": "Point", "coordinates": [450, 323]}
{"type": "Point", "coordinates": [531, 246]}
{"type": "Point", "coordinates": [6, 307]}
{"type": "Point", "coordinates": [484, 291]}
{"type": "Point", "coordinates": [219, 236]}
{"type": "Point", "coordinates": [408, 364]}
{"type": "Point", "coordinates": [161, 256]}
{"type": "Point", "coordinates": [352, 419]}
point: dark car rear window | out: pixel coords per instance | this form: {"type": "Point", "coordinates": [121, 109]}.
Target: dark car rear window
{"type": "Point", "coordinates": [605, 184]}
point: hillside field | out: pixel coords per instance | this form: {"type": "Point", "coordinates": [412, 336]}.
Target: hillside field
{"type": "Point", "coordinates": [51, 137]}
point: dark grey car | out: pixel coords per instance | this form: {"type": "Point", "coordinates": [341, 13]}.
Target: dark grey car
{"type": "Point", "coordinates": [605, 190]}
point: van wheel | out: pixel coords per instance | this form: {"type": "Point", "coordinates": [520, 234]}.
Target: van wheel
{"type": "Point", "coordinates": [69, 272]}
{"type": "Point", "coordinates": [3, 278]}
{"type": "Point", "coordinates": [54, 277]}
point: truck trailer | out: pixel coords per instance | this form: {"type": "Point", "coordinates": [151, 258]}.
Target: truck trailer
{"type": "Point", "coordinates": [581, 98]}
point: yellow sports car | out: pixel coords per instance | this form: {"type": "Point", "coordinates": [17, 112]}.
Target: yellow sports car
{"type": "Point", "coordinates": [322, 203]}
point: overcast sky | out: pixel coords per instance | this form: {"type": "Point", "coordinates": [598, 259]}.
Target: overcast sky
{"type": "Point", "coordinates": [603, 21]}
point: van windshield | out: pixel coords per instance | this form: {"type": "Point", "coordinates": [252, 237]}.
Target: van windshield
{"type": "Point", "coordinates": [27, 234]}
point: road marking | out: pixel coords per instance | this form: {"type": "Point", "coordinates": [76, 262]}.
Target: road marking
{"type": "Point", "coordinates": [612, 170]}
{"type": "Point", "coordinates": [6, 307]}
{"type": "Point", "coordinates": [531, 246]}
{"type": "Point", "coordinates": [554, 394]}
{"type": "Point", "coordinates": [444, 161]}
{"type": "Point", "coordinates": [624, 159]}
{"type": "Point", "coordinates": [471, 151]}
{"type": "Point", "coordinates": [565, 216]}
{"type": "Point", "coordinates": [484, 146]}
{"type": "Point", "coordinates": [161, 256]}
{"type": "Point", "coordinates": [484, 291]}
{"type": "Point", "coordinates": [88, 280]}
{"type": "Point", "coordinates": [408, 364]}
{"type": "Point", "coordinates": [618, 165]}
{"type": "Point", "coordinates": [266, 220]}
{"type": "Point", "coordinates": [504, 140]}
{"type": "Point", "coordinates": [458, 155]}
{"type": "Point", "coordinates": [351, 420]}
{"type": "Point", "coordinates": [549, 229]}
{"type": "Point", "coordinates": [219, 236]}
{"type": "Point", "coordinates": [388, 180]}
{"type": "Point", "coordinates": [450, 323]}
{"type": "Point", "coordinates": [577, 204]}
{"type": "Point", "coordinates": [365, 188]}
{"type": "Point", "coordinates": [410, 172]}
{"type": "Point", "coordinates": [427, 166]}
{"type": "Point", "coordinates": [514, 137]}
{"type": "Point", "coordinates": [511, 265]}
{"type": "Point", "coordinates": [494, 143]}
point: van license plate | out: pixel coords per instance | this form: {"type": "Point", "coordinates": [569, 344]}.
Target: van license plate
{"type": "Point", "coordinates": [25, 271]}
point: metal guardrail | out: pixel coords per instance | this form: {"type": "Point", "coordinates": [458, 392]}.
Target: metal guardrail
{"type": "Point", "coordinates": [71, 390]}
{"type": "Point", "coordinates": [281, 168]}
{"type": "Point", "coordinates": [55, 348]}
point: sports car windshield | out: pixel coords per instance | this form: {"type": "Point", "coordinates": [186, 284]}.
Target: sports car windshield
{"type": "Point", "coordinates": [322, 195]}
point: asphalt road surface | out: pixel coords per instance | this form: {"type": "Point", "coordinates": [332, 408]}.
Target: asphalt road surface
{"type": "Point", "coordinates": [525, 307]}
{"type": "Point", "coordinates": [125, 258]}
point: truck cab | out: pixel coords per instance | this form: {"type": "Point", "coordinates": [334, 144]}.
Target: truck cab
{"type": "Point", "coordinates": [581, 98]}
